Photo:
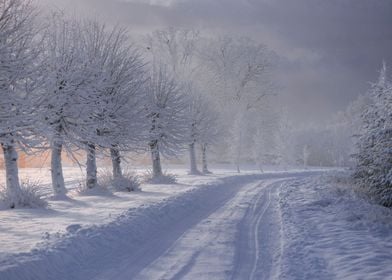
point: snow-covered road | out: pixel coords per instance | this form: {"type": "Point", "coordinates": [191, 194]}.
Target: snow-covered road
{"type": "Point", "coordinates": [274, 226]}
{"type": "Point", "coordinates": [235, 238]}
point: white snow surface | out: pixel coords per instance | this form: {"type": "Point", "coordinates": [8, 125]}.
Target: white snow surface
{"type": "Point", "coordinates": [331, 233]}
{"type": "Point", "coordinates": [291, 225]}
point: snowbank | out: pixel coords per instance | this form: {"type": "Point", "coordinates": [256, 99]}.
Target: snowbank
{"type": "Point", "coordinates": [331, 233]}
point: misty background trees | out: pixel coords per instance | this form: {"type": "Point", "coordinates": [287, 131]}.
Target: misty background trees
{"type": "Point", "coordinates": [78, 86]}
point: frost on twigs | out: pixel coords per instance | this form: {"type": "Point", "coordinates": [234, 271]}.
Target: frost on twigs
{"type": "Point", "coordinates": [28, 196]}
{"type": "Point", "coordinates": [165, 178]}
{"type": "Point", "coordinates": [127, 182]}
{"type": "Point", "coordinates": [107, 184]}
{"type": "Point", "coordinates": [381, 193]}
{"type": "Point", "coordinates": [98, 190]}
{"type": "Point", "coordinates": [374, 157]}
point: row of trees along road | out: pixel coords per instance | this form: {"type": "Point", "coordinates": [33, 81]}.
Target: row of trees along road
{"type": "Point", "coordinates": [73, 85]}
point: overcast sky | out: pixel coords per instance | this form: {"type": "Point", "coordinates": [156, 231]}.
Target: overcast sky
{"type": "Point", "coordinates": [329, 49]}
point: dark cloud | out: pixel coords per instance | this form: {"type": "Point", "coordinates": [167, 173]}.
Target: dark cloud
{"type": "Point", "coordinates": [329, 49]}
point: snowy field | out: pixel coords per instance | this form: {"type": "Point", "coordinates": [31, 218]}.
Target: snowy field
{"type": "Point", "coordinates": [277, 225]}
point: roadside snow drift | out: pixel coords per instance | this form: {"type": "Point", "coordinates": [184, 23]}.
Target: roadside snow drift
{"type": "Point", "coordinates": [331, 233]}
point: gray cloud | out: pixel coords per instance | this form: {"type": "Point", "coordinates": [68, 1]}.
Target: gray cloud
{"type": "Point", "coordinates": [329, 49]}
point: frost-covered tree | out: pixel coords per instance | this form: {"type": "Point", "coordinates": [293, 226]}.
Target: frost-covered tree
{"type": "Point", "coordinates": [175, 48]}
{"type": "Point", "coordinates": [179, 49]}
{"type": "Point", "coordinates": [18, 73]}
{"type": "Point", "coordinates": [285, 139]}
{"type": "Point", "coordinates": [210, 133]}
{"type": "Point", "coordinates": [66, 92]}
{"type": "Point", "coordinates": [264, 147]}
{"type": "Point", "coordinates": [115, 104]}
{"type": "Point", "coordinates": [240, 68]}
{"type": "Point", "coordinates": [374, 157]}
{"type": "Point", "coordinates": [127, 112]}
{"type": "Point", "coordinates": [167, 117]}
{"type": "Point", "coordinates": [203, 129]}
{"type": "Point", "coordinates": [239, 73]}
{"type": "Point", "coordinates": [341, 129]}
{"type": "Point", "coordinates": [195, 114]}
{"type": "Point", "coordinates": [305, 155]}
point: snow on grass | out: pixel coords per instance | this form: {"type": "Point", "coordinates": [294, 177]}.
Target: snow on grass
{"type": "Point", "coordinates": [22, 229]}
{"type": "Point", "coordinates": [28, 196]}
{"type": "Point", "coordinates": [128, 182]}
{"type": "Point", "coordinates": [331, 233]}
{"type": "Point", "coordinates": [165, 178]}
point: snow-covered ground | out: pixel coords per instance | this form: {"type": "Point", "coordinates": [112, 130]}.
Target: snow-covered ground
{"type": "Point", "coordinates": [278, 225]}
{"type": "Point", "coordinates": [331, 233]}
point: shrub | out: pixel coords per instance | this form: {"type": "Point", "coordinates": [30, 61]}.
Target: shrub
{"type": "Point", "coordinates": [27, 197]}
{"type": "Point", "coordinates": [127, 183]}
{"type": "Point", "coordinates": [374, 157]}
{"type": "Point", "coordinates": [165, 178]}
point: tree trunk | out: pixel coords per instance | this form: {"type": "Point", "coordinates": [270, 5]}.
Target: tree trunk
{"type": "Point", "coordinates": [192, 160]}
{"type": "Point", "coordinates": [58, 184]}
{"type": "Point", "coordinates": [204, 159]}
{"type": "Point", "coordinates": [237, 164]}
{"type": "Point", "coordinates": [156, 159]}
{"type": "Point", "coordinates": [11, 170]}
{"type": "Point", "coordinates": [238, 155]}
{"type": "Point", "coordinates": [260, 165]}
{"type": "Point", "coordinates": [116, 163]}
{"type": "Point", "coordinates": [91, 167]}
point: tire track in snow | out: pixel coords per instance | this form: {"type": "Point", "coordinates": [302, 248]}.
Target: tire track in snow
{"type": "Point", "coordinates": [206, 250]}
{"type": "Point", "coordinates": [259, 236]}
{"type": "Point", "coordinates": [213, 249]}
{"type": "Point", "coordinates": [256, 230]}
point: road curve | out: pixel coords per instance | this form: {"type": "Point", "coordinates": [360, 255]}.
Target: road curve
{"type": "Point", "coordinates": [237, 239]}
{"type": "Point", "coordinates": [228, 229]}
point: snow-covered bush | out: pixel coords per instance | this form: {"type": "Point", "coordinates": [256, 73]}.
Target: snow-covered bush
{"type": "Point", "coordinates": [127, 182]}
{"type": "Point", "coordinates": [28, 196]}
{"type": "Point", "coordinates": [374, 158]}
{"type": "Point", "coordinates": [164, 178]}
{"type": "Point", "coordinates": [100, 190]}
